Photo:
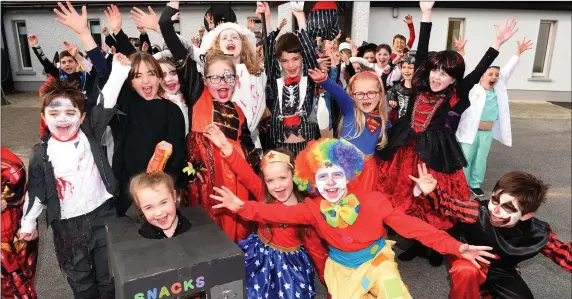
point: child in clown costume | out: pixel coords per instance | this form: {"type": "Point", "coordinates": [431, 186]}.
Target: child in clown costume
{"type": "Point", "coordinates": [361, 262]}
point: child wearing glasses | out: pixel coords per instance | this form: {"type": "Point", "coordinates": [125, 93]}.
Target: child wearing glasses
{"type": "Point", "coordinates": [214, 106]}
{"type": "Point", "coordinates": [364, 117]}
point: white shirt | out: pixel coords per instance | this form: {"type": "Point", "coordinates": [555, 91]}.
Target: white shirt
{"type": "Point", "coordinates": [80, 187]}
{"type": "Point", "coordinates": [180, 101]}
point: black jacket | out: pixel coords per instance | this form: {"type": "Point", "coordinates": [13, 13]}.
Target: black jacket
{"type": "Point", "coordinates": [42, 180]}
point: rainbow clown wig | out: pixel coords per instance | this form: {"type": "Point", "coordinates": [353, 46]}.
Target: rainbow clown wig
{"type": "Point", "coordinates": [322, 152]}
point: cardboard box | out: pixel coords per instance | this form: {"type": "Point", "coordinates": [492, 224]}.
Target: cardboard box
{"type": "Point", "coordinates": [203, 260]}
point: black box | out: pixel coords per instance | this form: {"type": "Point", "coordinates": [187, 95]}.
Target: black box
{"type": "Point", "coordinates": [202, 260]}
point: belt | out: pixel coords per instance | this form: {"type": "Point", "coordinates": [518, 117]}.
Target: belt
{"type": "Point", "coordinates": [354, 259]}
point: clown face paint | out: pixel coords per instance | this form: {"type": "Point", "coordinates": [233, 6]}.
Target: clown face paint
{"type": "Point", "coordinates": [331, 183]}
{"type": "Point", "coordinates": [504, 210]}
{"type": "Point", "coordinates": [62, 118]}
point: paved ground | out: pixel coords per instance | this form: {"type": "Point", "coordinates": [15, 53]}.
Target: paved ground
{"type": "Point", "coordinates": [542, 143]}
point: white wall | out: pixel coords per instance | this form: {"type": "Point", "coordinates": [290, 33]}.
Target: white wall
{"type": "Point", "coordinates": [52, 34]}
{"type": "Point", "coordinates": [480, 33]}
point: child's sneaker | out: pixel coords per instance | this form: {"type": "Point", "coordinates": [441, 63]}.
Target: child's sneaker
{"type": "Point", "coordinates": [477, 192]}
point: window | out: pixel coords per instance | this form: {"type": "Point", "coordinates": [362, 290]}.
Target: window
{"type": "Point", "coordinates": [544, 46]}
{"type": "Point", "coordinates": [95, 30]}
{"type": "Point", "coordinates": [22, 37]}
{"type": "Point", "coordinates": [456, 28]}
{"type": "Point", "coordinates": [177, 26]}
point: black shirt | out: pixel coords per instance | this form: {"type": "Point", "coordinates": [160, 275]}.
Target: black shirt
{"type": "Point", "coordinates": [150, 231]}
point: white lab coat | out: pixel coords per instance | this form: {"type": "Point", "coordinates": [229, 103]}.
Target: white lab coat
{"type": "Point", "coordinates": [469, 124]}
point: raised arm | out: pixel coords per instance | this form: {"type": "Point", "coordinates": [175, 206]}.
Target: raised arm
{"type": "Point", "coordinates": [115, 21]}
{"type": "Point", "coordinates": [175, 45]}
{"type": "Point", "coordinates": [119, 73]}
{"type": "Point", "coordinates": [424, 33]}
{"type": "Point", "coordinates": [558, 252]}
{"type": "Point", "coordinates": [508, 69]}
{"type": "Point", "coordinates": [409, 21]}
{"type": "Point", "coordinates": [49, 67]}
{"type": "Point", "coordinates": [343, 99]}
{"type": "Point", "coordinates": [503, 35]}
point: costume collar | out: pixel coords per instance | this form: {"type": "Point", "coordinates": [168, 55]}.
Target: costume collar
{"type": "Point", "coordinates": [341, 214]}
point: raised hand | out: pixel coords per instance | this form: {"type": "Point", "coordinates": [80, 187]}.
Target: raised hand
{"type": "Point", "coordinates": [114, 18]}
{"type": "Point", "coordinates": [317, 75]}
{"type": "Point", "coordinates": [173, 4]}
{"type": "Point", "coordinates": [71, 48]}
{"type": "Point", "coordinates": [523, 46]}
{"type": "Point", "coordinates": [33, 40]}
{"type": "Point", "coordinates": [345, 58]}
{"type": "Point", "coordinates": [104, 31]}
{"type": "Point", "coordinates": [339, 35]}
{"type": "Point", "coordinates": [216, 136]}
{"type": "Point", "coordinates": [145, 47]}
{"type": "Point", "coordinates": [145, 20]}
{"type": "Point", "coordinates": [282, 23]}
{"type": "Point", "coordinates": [122, 59]}
{"type": "Point", "coordinates": [210, 21]}
{"type": "Point", "coordinates": [506, 32]}
{"type": "Point", "coordinates": [354, 50]}
{"type": "Point", "coordinates": [68, 16]}
{"type": "Point", "coordinates": [227, 199]}
{"type": "Point", "coordinates": [476, 253]}
{"type": "Point", "coordinates": [196, 41]}
{"type": "Point", "coordinates": [426, 181]}
{"type": "Point", "coordinates": [460, 43]}
{"type": "Point", "coordinates": [324, 63]}
{"type": "Point", "coordinates": [426, 6]}
{"type": "Point", "coordinates": [104, 48]}
{"type": "Point", "coordinates": [408, 19]}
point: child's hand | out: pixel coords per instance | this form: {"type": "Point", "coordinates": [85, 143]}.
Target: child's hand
{"type": "Point", "coordinates": [408, 19]}
{"type": "Point", "coordinates": [122, 59]}
{"type": "Point", "coordinates": [282, 23]}
{"type": "Point", "coordinates": [227, 199]}
{"type": "Point", "coordinates": [460, 44]}
{"type": "Point", "coordinates": [317, 75]}
{"type": "Point", "coordinates": [105, 48]}
{"type": "Point", "coordinates": [145, 47]}
{"type": "Point", "coordinates": [68, 16]}
{"type": "Point", "coordinates": [216, 136]}
{"type": "Point", "coordinates": [426, 181]}
{"type": "Point", "coordinates": [29, 236]}
{"type": "Point", "coordinates": [392, 103]}
{"type": "Point", "coordinates": [505, 33]}
{"type": "Point", "coordinates": [145, 20]}
{"type": "Point", "coordinates": [523, 46]}
{"type": "Point", "coordinates": [426, 6]}
{"type": "Point", "coordinates": [476, 253]}
{"type": "Point", "coordinates": [104, 31]}
{"type": "Point", "coordinates": [114, 18]}
{"type": "Point", "coordinates": [33, 40]}
{"type": "Point", "coordinates": [71, 48]}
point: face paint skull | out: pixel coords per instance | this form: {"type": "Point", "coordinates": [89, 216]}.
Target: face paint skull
{"type": "Point", "coordinates": [62, 118]}
{"type": "Point", "coordinates": [504, 210]}
{"type": "Point", "coordinates": [331, 182]}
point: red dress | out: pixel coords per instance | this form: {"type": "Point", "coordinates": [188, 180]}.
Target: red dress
{"type": "Point", "coordinates": [394, 173]}
{"type": "Point", "coordinates": [18, 257]}
{"type": "Point", "coordinates": [230, 119]}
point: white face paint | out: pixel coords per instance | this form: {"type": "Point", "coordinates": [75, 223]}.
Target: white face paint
{"type": "Point", "coordinates": [331, 183]}
{"type": "Point", "coordinates": [62, 118]}
{"type": "Point", "coordinates": [504, 210]}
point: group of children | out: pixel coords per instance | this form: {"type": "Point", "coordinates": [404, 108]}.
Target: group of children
{"type": "Point", "coordinates": [252, 140]}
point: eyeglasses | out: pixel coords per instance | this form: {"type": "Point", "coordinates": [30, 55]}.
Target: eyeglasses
{"type": "Point", "coordinates": [228, 79]}
{"type": "Point", "coordinates": [362, 95]}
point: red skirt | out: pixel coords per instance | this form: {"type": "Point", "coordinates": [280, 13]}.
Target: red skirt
{"type": "Point", "coordinates": [367, 179]}
{"type": "Point", "coordinates": [393, 179]}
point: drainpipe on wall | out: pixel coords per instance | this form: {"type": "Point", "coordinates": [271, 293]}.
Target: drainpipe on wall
{"type": "Point", "coordinates": [6, 74]}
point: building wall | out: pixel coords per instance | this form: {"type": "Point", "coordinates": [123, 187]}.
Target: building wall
{"type": "Point", "coordinates": [480, 33]}
{"type": "Point", "coordinates": [52, 34]}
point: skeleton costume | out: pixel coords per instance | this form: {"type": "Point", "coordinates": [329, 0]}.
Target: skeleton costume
{"type": "Point", "coordinates": [399, 93]}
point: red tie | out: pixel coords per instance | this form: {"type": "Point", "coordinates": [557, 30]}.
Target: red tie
{"type": "Point", "coordinates": [290, 81]}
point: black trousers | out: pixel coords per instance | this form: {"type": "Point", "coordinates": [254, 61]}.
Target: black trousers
{"type": "Point", "coordinates": [506, 284]}
{"type": "Point", "coordinates": [81, 250]}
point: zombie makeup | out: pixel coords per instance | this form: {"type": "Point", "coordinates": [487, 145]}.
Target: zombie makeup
{"type": "Point", "coordinates": [331, 182]}
{"type": "Point", "coordinates": [63, 118]}
{"type": "Point", "coordinates": [170, 82]}
{"type": "Point", "coordinates": [504, 210]}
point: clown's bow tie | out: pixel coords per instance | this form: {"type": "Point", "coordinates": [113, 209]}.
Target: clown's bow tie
{"type": "Point", "coordinates": [341, 214]}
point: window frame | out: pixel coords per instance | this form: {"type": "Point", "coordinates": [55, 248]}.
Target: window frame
{"type": "Point", "coordinates": [100, 34]}
{"type": "Point", "coordinates": [549, 50]}
{"type": "Point", "coordinates": [461, 31]}
{"type": "Point", "coordinates": [21, 65]}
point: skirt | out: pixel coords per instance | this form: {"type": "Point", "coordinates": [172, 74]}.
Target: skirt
{"type": "Point", "coordinates": [376, 278]}
{"type": "Point", "coordinates": [393, 179]}
{"type": "Point", "coordinates": [272, 273]}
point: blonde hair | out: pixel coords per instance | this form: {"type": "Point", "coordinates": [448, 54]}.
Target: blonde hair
{"type": "Point", "coordinates": [152, 180]}
{"type": "Point", "coordinates": [215, 55]}
{"type": "Point", "coordinates": [359, 117]}
{"type": "Point", "coordinates": [248, 55]}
